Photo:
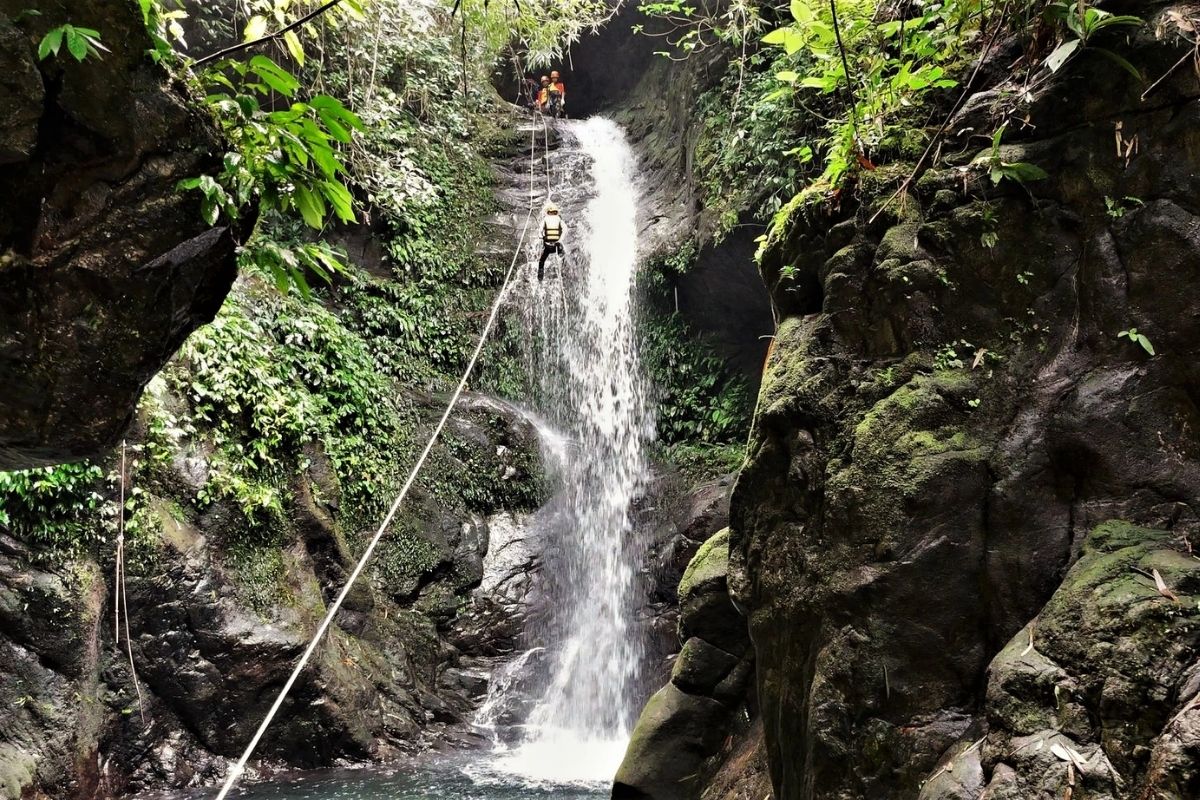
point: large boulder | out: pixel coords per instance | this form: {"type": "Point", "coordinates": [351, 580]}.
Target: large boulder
{"type": "Point", "coordinates": [685, 723]}
{"type": "Point", "coordinates": [105, 267]}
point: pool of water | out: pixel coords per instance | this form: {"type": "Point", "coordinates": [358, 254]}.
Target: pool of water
{"type": "Point", "coordinates": [443, 777]}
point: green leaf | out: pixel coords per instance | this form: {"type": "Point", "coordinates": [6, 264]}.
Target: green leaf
{"type": "Point", "coordinates": [76, 44]}
{"type": "Point", "coordinates": [826, 83]}
{"type": "Point", "coordinates": [1024, 171]}
{"type": "Point", "coordinates": [274, 76]}
{"type": "Point", "coordinates": [777, 36]}
{"type": "Point", "coordinates": [311, 206]}
{"type": "Point", "coordinates": [294, 47]}
{"type": "Point", "coordinates": [1061, 53]}
{"type": "Point", "coordinates": [51, 42]}
{"type": "Point", "coordinates": [334, 126]}
{"type": "Point", "coordinates": [340, 198]}
{"type": "Point", "coordinates": [793, 41]}
{"type": "Point", "coordinates": [787, 76]}
{"type": "Point", "coordinates": [801, 12]}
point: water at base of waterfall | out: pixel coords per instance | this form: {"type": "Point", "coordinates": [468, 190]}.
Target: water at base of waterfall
{"type": "Point", "coordinates": [454, 776]}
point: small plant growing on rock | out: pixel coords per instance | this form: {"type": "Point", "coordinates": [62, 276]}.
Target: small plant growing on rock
{"type": "Point", "coordinates": [1138, 338]}
{"type": "Point", "coordinates": [1082, 22]}
{"type": "Point", "coordinates": [81, 42]}
{"type": "Point", "coordinates": [1019, 171]}
{"type": "Point", "coordinates": [1117, 206]}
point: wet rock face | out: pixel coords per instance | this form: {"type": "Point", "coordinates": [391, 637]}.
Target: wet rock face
{"type": "Point", "coordinates": [942, 423]}
{"type": "Point", "coordinates": [104, 266]}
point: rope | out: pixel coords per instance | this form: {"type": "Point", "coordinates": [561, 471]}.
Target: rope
{"type": "Point", "coordinates": [235, 772]}
{"type": "Point", "coordinates": [120, 600]}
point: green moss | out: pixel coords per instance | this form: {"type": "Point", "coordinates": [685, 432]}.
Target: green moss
{"type": "Point", "coordinates": [710, 563]}
{"type": "Point", "coordinates": [1115, 534]}
{"type": "Point", "coordinates": [259, 575]}
{"type": "Point", "coordinates": [404, 556]}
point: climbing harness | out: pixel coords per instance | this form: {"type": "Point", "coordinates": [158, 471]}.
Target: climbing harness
{"type": "Point", "coordinates": [236, 771]}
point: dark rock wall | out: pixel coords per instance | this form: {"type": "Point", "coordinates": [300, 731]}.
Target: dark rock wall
{"type": "Point", "coordinates": [943, 422]}
{"type": "Point", "coordinates": [104, 266]}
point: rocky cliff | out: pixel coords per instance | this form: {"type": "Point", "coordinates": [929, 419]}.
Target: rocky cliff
{"type": "Point", "coordinates": [972, 398]}
{"type": "Point", "coordinates": [105, 267]}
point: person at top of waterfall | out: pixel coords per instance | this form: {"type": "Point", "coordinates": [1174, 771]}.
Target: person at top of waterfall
{"type": "Point", "coordinates": [557, 94]}
{"type": "Point", "coordinates": [552, 235]}
{"type": "Point", "coordinates": [543, 95]}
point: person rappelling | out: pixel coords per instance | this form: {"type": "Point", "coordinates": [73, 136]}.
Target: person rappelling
{"type": "Point", "coordinates": [552, 235]}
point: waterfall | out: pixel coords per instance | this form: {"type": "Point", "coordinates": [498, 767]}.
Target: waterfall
{"type": "Point", "coordinates": [584, 359]}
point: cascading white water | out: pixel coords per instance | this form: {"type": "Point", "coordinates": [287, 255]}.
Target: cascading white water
{"type": "Point", "coordinates": [585, 360]}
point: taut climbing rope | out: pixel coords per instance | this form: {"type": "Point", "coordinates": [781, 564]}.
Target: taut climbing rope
{"type": "Point", "coordinates": [235, 772]}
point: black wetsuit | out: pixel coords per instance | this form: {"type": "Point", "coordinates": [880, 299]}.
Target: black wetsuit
{"type": "Point", "coordinates": [551, 243]}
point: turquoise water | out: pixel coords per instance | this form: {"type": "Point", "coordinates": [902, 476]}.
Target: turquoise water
{"type": "Point", "coordinates": [456, 777]}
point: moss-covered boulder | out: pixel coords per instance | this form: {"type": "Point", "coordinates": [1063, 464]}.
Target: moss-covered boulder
{"type": "Point", "coordinates": [683, 725]}
{"type": "Point", "coordinates": [1100, 690]}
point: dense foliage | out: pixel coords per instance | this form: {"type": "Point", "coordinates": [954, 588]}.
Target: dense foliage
{"type": "Point", "coordinates": [700, 402]}
{"type": "Point", "coordinates": [837, 94]}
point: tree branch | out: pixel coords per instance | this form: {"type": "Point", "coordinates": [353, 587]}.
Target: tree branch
{"type": "Point", "coordinates": [837, 32]}
{"type": "Point", "coordinates": [269, 37]}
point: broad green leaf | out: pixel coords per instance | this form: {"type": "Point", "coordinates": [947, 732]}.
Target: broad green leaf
{"type": "Point", "coordinates": [301, 283]}
{"type": "Point", "coordinates": [801, 12]}
{"type": "Point", "coordinates": [274, 76]}
{"type": "Point", "coordinates": [76, 44]}
{"type": "Point", "coordinates": [311, 206]}
{"type": "Point", "coordinates": [334, 125]}
{"type": "Point", "coordinates": [1024, 171]}
{"type": "Point", "coordinates": [51, 42]}
{"type": "Point", "coordinates": [294, 47]}
{"type": "Point", "coordinates": [793, 41]}
{"type": "Point", "coordinates": [777, 36]}
{"type": "Point", "coordinates": [787, 76]}
{"type": "Point", "coordinates": [340, 198]}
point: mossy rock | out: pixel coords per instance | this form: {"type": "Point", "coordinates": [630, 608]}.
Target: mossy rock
{"type": "Point", "coordinates": [675, 733]}
{"type": "Point", "coordinates": [17, 771]}
{"type": "Point", "coordinates": [708, 568]}
{"type": "Point", "coordinates": [1105, 667]}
